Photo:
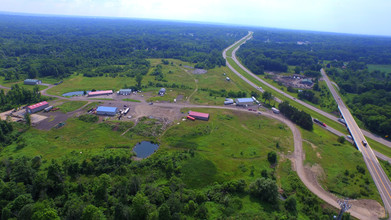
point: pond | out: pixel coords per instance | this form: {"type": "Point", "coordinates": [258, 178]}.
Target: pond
{"type": "Point", "coordinates": [76, 93]}
{"type": "Point", "coordinates": [145, 148]}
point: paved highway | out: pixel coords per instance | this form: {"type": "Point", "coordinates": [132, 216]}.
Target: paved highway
{"type": "Point", "coordinates": [330, 116]}
{"type": "Point", "coordinates": [381, 180]}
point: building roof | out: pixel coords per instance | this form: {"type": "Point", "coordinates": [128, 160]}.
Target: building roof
{"type": "Point", "coordinates": [101, 92]}
{"type": "Point", "coordinates": [106, 109]}
{"type": "Point", "coordinates": [31, 80]}
{"type": "Point", "coordinates": [244, 100]}
{"type": "Point", "coordinates": [125, 90]}
{"type": "Point", "coordinates": [38, 105]}
{"type": "Point", "coordinates": [199, 114]}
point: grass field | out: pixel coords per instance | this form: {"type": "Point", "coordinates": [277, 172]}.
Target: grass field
{"type": "Point", "coordinates": [76, 135]}
{"type": "Point", "coordinates": [71, 106]}
{"type": "Point", "coordinates": [231, 145]}
{"type": "Point", "coordinates": [131, 100]}
{"type": "Point", "coordinates": [339, 163]}
{"type": "Point", "coordinates": [382, 68]}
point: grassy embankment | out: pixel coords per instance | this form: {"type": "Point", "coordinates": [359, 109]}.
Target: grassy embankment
{"type": "Point", "coordinates": [338, 162]}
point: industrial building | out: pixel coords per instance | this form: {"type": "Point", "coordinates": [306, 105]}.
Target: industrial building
{"type": "Point", "coordinates": [37, 107]}
{"type": "Point", "coordinates": [104, 110]}
{"type": "Point", "coordinates": [125, 92]}
{"type": "Point", "coordinates": [162, 91]}
{"type": "Point", "coordinates": [244, 101]}
{"type": "Point", "coordinates": [105, 92]}
{"type": "Point", "coordinates": [199, 115]}
{"type": "Point", "coordinates": [32, 81]}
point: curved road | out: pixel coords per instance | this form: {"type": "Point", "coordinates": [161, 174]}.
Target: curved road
{"type": "Point", "coordinates": [355, 211]}
{"type": "Point", "coordinates": [330, 116]}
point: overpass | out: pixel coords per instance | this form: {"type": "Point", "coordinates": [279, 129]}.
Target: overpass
{"type": "Point", "coordinates": [380, 178]}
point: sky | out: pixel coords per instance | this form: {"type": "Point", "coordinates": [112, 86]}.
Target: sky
{"type": "Point", "coordinates": [342, 16]}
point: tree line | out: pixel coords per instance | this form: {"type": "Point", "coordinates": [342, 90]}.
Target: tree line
{"type": "Point", "coordinates": [19, 96]}
{"type": "Point", "coordinates": [301, 118]}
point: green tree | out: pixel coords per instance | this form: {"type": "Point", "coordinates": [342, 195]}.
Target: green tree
{"type": "Point", "coordinates": [91, 212]}
{"type": "Point", "coordinates": [164, 212]}
{"type": "Point", "coordinates": [264, 189]}
{"type": "Point", "coordinates": [267, 96]}
{"type": "Point", "coordinates": [341, 139]}
{"type": "Point", "coordinates": [27, 118]}
{"type": "Point", "coordinates": [290, 204]}
{"type": "Point", "coordinates": [140, 206]}
{"type": "Point", "coordinates": [139, 78]}
{"type": "Point", "coordinates": [272, 157]}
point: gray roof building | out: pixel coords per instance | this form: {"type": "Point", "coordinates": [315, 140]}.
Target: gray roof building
{"type": "Point", "coordinates": [32, 81]}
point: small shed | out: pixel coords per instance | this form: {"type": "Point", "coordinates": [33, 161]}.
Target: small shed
{"type": "Point", "coordinates": [199, 115]}
{"type": "Point", "coordinates": [162, 91]}
{"type": "Point", "coordinates": [32, 81]}
{"type": "Point", "coordinates": [37, 107]}
{"type": "Point", "coordinates": [104, 110]}
{"type": "Point", "coordinates": [244, 101]}
{"type": "Point", "coordinates": [125, 91]}
{"type": "Point", "coordinates": [105, 92]}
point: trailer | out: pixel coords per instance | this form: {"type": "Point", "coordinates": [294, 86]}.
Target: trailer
{"type": "Point", "coordinates": [126, 111]}
{"type": "Point", "coordinates": [190, 118]}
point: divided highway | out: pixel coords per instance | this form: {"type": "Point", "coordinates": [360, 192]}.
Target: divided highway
{"type": "Point", "coordinates": [381, 180]}
{"type": "Point", "coordinates": [328, 115]}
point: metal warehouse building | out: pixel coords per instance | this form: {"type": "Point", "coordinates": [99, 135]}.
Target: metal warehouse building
{"type": "Point", "coordinates": [244, 101]}
{"type": "Point", "coordinates": [104, 110]}
{"type": "Point", "coordinates": [105, 92]}
{"type": "Point", "coordinates": [37, 107]}
{"type": "Point", "coordinates": [32, 81]}
{"type": "Point", "coordinates": [125, 91]}
{"type": "Point", "coordinates": [199, 115]}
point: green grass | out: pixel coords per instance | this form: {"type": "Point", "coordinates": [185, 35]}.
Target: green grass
{"type": "Point", "coordinates": [71, 106]}
{"type": "Point", "coordinates": [231, 143]}
{"type": "Point", "coordinates": [131, 100]}
{"type": "Point", "coordinates": [75, 136]}
{"type": "Point", "coordinates": [382, 68]}
{"type": "Point", "coordinates": [335, 158]}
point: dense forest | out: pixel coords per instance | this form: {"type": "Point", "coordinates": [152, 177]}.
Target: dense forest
{"type": "Point", "coordinates": [274, 50]}
{"type": "Point", "coordinates": [112, 186]}
{"type": "Point", "coordinates": [33, 46]}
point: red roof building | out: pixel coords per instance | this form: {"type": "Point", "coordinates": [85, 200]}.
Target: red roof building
{"type": "Point", "coordinates": [199, 115]}
{"type": "Point", "coordinates": [105, 92]}
{"type": "Point", "coordinates": [37, 107]}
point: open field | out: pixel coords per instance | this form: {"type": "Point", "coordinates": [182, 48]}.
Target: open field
{"type": "Point", "coordinates": [20, 84]}
{"type": "Point", "coordinates": [76, 136]}
{"type": "Point", "coordinates": [383, 68]}
{"type": "Point", "coordinates": [231, 145]}
{"type": "Point", "coordinates": [338, 162]}
{"type": "Point", "coordinates": [71, 106]}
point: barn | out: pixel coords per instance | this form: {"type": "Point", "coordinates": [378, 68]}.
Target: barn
{"type": "Point", "coordinates": [32, 81]}
{"type": "Point", "coordinates": [37, 107]}
{"type": "Point", "coordinates": [125, 91]}
{"type": "Point", "coordinates": [244, 101]}
{"type": "Point", "coordinates": [199, 115]}
{"type": "Point", "coordinates": [104, 110]}
{"type": "Point", "coordinates": [105, 92]}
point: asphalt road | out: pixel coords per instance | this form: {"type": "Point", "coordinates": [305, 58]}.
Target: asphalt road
{"type": "Point", "coordinates": [330, 116]}
{"type": "Point", "coordinates": [381, 180]}
{"type": "Point", "coordinates": [299, 154]}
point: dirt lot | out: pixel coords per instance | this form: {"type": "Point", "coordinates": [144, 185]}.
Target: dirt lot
{"type": "Point", "coordinates": [295, 80]}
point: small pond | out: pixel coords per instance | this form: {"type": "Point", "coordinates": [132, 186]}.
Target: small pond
{"type": "Point", "coordinates": [76, 93]}
{"type": "Point", "coordinates": [145, 149]}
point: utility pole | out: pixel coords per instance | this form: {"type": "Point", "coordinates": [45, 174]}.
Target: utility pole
{"type": "Point", "coordinates": [345, 206]}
